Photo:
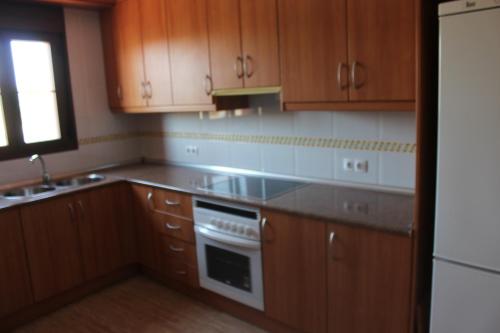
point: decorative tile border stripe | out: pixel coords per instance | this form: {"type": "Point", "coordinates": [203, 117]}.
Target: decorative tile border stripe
{"type": "Point", "coordinates": [367, 145]}
{"type": "Point", "coordinates": [109, 138]}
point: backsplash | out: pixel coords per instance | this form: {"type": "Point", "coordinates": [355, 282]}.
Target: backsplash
{"type": "Point", "coordinates": [306, 144]}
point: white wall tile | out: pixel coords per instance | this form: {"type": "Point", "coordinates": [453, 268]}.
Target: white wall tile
{"type": "Point", "coordinates": [182, 122]}
{"type": "Point", "coordinates": [219, 125]}
{"type": "Point", "coordinates": [397, 170]}
{"type": "Point", "coordinates": [314, 162]}
{"type": "Point", "coordinates": [398, 126]}
{"type": "Point", "coordinates": [249, 124]}
{"type": "Point", "coordinates": [313, 124]}
{"type": "Point", "coordinates": [278, 159]}
{"type": "Point", "coordinates": [214, 152]}
{"type": "Point", "coordinates": [244, 156]}
{"type": "Point", "coordinates": [356, 125]}
{"type": "Point", "coordinates": [371, 177]}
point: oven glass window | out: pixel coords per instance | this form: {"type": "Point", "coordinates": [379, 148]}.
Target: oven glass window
{"type": "Point", "coordinates": [228, 267]}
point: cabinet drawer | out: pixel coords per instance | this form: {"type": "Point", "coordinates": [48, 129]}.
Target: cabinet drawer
{"type": "Point", "coordinates": [171, 202]}
{"type": "Point", "coordinates": [174, 249]}
{"type": "Point", "coordinates": [175, 227]}
{"type": "Point", "coordinates": [182, 272]}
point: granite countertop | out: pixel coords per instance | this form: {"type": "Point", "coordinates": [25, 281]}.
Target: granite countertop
{"type": "Point", "coordinates": [392, 212]}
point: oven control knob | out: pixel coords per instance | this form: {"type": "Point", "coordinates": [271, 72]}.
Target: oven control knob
{"type": "Point", "coordinates": [220, 224]}
{"type": "Point", "coordinates": [234, 227]}
{"type": "Point", "coordinates": [249, 232]}
{"type": "Point", "coordinates": [227, 225]}
{"type": "Point", "coordinates": [212, 221]}
{"type": "Point", "coordinates": [241, 229]}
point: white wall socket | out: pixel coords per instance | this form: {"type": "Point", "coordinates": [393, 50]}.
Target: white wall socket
{"type": "Point", "coordinates": [348, 164]}
{"type": "Point", "coordinates": [361, 166]}
{"type": "Point", "coordinates": [192, 150]}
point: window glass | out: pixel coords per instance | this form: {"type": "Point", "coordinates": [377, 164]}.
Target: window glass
{"type": "Point", "coordinates": [3, 132]}
{"type": "Point", "coordinates": [35, 83]}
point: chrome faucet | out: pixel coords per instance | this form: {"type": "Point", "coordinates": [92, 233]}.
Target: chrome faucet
{"type": "Point", "coordinates": [45, 174]}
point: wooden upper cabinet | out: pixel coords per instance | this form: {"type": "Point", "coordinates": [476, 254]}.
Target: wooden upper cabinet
{"type": "Point", "coordinates": [156, 53]}
{"type": "Point", "coordinates": [381, 36]}
{"type": "Point", "coordinates": [243, 43]}
{"type": "Point", "coordinates": [53, 246]}
{"type": "Point", "coordinates": [369, 276]}
{"type": "Point", "coordinates": [312, 46]}
{"type": "Point", "coordinates": [259, 34]}
{"type": "Point", "coordinates": [110, 37]}
{"type": "Point", "coordinates": [225, 43]}
{"type": "Point", "coordinates": [129, 55]}
{"type": "Point", "coordinates": [189, 51]}
{"type": "Point", "coordinates": [294, 271]}
{"type": "Point", "coordinates": [15, 287]}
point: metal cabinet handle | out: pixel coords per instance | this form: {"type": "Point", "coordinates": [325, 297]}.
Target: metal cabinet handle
{"type": "Point", "coordinates": [248, 66]}
{"type": "Point", "coordinates": [331, 238]}
{"type": "Point", "coordinates": [172, 203]}
{"type": "Point", "coordinates": [209, 85]}
{"type": "Point", "coordinates": [172, 226]}
{"type": "Point", "coordinates": [340, 82]}
{"type": "Point", "coordinates": [239, 67]}
{"type": "Point", "coordinates": [176, 249]}
{"type": "Point", "coordinates": [82, 208]}
{"type": "Point", "coordinates": [71, 209]}
{"type": "Point", "coordinates": [263, 223]}
{"type": "Point", "coordinates": [354, 76]}
{"type": "Point", "coordinates": [119, 92]}
{"type": "Point", "coordinates": [143, 90]}
{"type": "Point", "coordinates": [149, 89]}
{"type": "Point", "coordinates": [181, 272]}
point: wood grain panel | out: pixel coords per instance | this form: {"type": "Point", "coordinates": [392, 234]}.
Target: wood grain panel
{"type": "Point", "coordinates": [189, 50]}
{"type": "Point", "coordinates": [382, 39]}
{"type": "Point", "coordinates": [369, 275]}
{"type": "Point", "coordinates": [175, 249]}
{"type": "Point", "coordinates": [53, 247]}
{"type": "Point", "coordinates": [172, 202]}
{"type": "Point", "coordinates": [294, 270]}
{"type": "Point", "coordinates": [110, 41]}
{"type": "Point", "coordinates": [313, 41]}
{"type": "Point", "coordinates": [225, 43]}
{"type": "Point", "coordinates": [259, 33]}
{"type": "Point", "coordinates": [176, 227]}
{"type": "Point", "coordinates": [15, 287]}
{"type": "Point", "coordinates": [156, 53]}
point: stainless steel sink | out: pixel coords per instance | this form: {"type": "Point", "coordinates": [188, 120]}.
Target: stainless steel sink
{"type": "Point", "coordinates": [32, 191]}
{"type": "Point", "coordinates": [80, 181]}
{"type": "Point", "coordinates": [28, 191]}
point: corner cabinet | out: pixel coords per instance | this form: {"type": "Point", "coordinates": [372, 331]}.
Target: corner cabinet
{"type": "Point", "coordinates": [349, 279]}
{"type": "Point", "coordinates": [243, 43]}
{"type": "Point", "coordinates": [354, 55]}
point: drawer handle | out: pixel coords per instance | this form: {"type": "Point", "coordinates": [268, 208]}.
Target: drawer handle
{"type": "Point", "coordinates": [172, 226]}
{"type": "Point", "coordinates": [181, 272]}
{"type": "Point", "coordinates": [176, 249]}
{"type": "Point", "coordinates": [172, 203]}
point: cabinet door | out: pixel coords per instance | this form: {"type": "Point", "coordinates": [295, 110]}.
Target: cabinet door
{"type": "Point", "coordinates": [99, 231]}
{"type": "Point", "coordinates": [259, 33]}
{"type": "Point", "coordinates": [312, 45]}
{"type": "Point", "coordinates": [145, 226]}
{"type": "Point", "coordinates": [382, 42]}
{"type": "Point", "coordinates": [225, 43]}
{"type": "Point", "coordinates": [294, 260]}
{"type": "Point", "coordinates": [15, 288]}
{"type": "Point", "coordinates": [110, 39]}
{"type": "Point", "coordinates": [129, 53]}
{"type": "Point", "coordinates": [368, 281]}
{"type": "Point", "coordinates": [156, 56]}
{"type": "Point", "coordinates": [189, 53]}
{"type": "Point", "coordinates": [53, 246]}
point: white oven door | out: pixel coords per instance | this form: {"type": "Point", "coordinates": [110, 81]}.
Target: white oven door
{"type": "Point", "coordinates": [230, 266]}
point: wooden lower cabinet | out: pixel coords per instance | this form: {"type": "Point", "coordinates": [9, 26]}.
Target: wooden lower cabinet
{"type": "Point", "coordinates": [369, 281]}
{"type": "Point", "coordinates": [294, 268]}
{"type": "Point", "coordinates": [105, 229]}
{"type": "Point", "coordinates": [53, 246]}
{"type": "Point", "coordinates": [356, 283]}
{"type": "Point", "coordinates": [15, 288]}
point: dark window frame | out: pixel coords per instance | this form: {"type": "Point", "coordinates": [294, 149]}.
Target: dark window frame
{"type": "Point", "coordinates": [16, 147]}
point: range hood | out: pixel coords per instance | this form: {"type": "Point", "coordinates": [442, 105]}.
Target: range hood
{"type": "Point", "coordinates": [246, 91]}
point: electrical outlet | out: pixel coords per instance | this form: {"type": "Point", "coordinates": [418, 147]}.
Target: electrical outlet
{"type": "Point", "coordinates": [348, 164]}
{"type": "Point", "coordinates": [192, 150]}
{"type": "Point", "coordinates": [361, 166]}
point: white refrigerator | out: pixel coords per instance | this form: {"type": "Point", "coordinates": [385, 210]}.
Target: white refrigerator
{"type": "Point", "coordinates": [466, 277]}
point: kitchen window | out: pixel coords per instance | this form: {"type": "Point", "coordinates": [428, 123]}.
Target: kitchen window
{"type": "Point", "coordinates": [36, 114]}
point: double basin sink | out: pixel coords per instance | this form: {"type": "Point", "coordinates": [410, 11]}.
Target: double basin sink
{"type": "Point", "coordinates": [32, 191]}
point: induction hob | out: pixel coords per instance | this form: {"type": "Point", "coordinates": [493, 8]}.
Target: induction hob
{"type": "Point", "coordinates": [253, 187]}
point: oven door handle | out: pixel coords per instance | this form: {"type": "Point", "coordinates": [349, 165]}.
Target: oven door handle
{"type": "Point", "coordinates": [224, 239]}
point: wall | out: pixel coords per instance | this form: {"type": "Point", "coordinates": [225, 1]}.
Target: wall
{"type": "Point", "coordinates": [307, 144]}
{"type": "Point", "coordinates": [104, 137]}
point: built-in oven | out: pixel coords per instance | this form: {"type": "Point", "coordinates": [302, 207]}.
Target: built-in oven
{"type": "Point", "coordinates": [229, 250]}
